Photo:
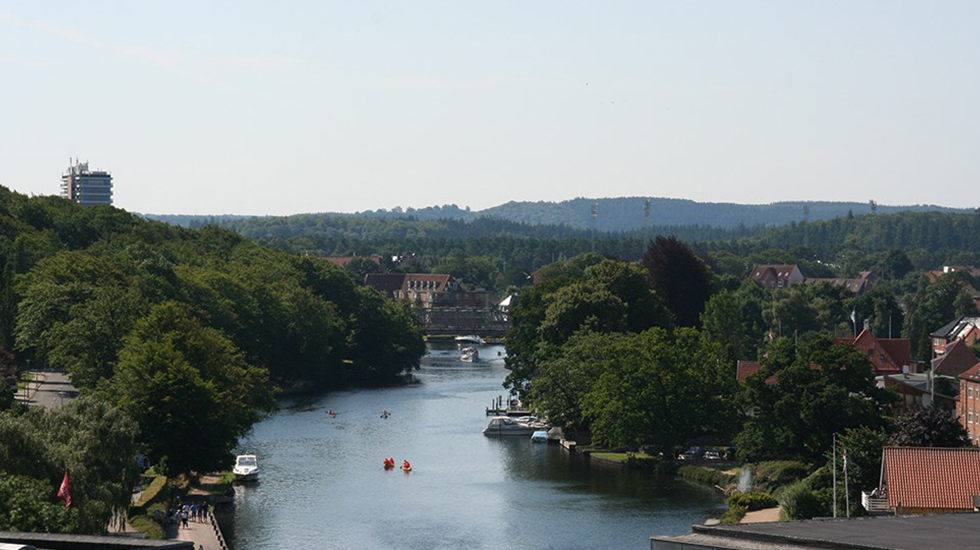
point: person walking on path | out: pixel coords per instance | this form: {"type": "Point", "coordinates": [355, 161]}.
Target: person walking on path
{"type": "Point", "coordinates": [183, 517]}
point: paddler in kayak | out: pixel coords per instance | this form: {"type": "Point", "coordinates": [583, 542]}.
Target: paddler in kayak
{"type": "Point", "coordinates": [406, 466]}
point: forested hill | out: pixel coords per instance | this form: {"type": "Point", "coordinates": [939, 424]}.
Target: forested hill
{"type": "Point", "coordinates": [932, 231]}
{"type": "Point", "coordinates": [614, 214]}
{"type": "Point", "coordinates": [622, 214]}
{"type": "Point", "coordinates": [341, 226]}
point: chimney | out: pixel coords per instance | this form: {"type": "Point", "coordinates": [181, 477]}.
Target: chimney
{"type": "Point", "coordinates": [867, 324]}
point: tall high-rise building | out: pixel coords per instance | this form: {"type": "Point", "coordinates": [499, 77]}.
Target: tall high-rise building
{"type": "Point", "coordinates": [86, 187]}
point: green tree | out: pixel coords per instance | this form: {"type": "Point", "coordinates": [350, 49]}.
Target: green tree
{"type": "Point", "coordinates": [817, 389]}
{"type": "Point", "coordinates": [189, 388]}
{"type": "Point", "coordinates": [580, 307]}
{"type": "Point", "coordinates": [722, 323]}
{"type": "Point", "coordinates": [680, 279]}
{"type": "Point", "coordinates": [26, 505]}
{"type": "Point", "coordinates": [660, 389]}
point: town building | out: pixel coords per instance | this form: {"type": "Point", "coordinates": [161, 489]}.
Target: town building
{"type": "Point", "coordinates": [927, 480]}
{"type": "Point", "coordinates": [922, 389]}
{"type": "Point", "coordinates": [968, 405]}
{"type": "Point", "coordinates": [956, 360]}
{"type": "Point", "coordinates": [934, 275]}
{"type": "Point", "coordinates": [86, 187]}
{"type": "Point", "coordinates": [887, 355]}
{"type": "Point", "coordinates": [441, 304]}
{"type": "Point", "coordinates": [962, 328]}
{"type": "Point", "coordinates": [342, 261]}
{"type": "Point", "coordinates": [777, 276]}
{"type": "Point", "coordinates": [856, 286]}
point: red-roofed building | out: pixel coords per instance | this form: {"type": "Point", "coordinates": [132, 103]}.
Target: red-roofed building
{"type": "Point", "coordinates": [962, 328]}
{"type": "Point", "coordinates": [887, 355]}
{"type": "Point", "coordinates": [745, 369]}
{"type": "Point", "coordinates": [777, 276]}
{"type": "Point", "coordinates": [928, 480]}
{"type": "Point", "coordinates": [937, 273]}
{"type": "Point", "coordinates": [968, 405]}
{"type": "Point", "coordinates": [957, 359]}
{"type": "Point", "coordinates": [856, 287]}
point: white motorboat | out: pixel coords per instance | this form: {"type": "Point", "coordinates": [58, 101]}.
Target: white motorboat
{"type": "Point", "coordinates": [505, 425]}
{"type": "Point", "coordinates": [539, 436]}
{"type": "Point", "coordinates": [470, 339]}
{"type": "Point", "coordinates": [469, 355]}
{"type": "Point", "coordinates": [246, 468]}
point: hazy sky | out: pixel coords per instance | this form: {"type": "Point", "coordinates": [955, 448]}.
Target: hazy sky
{"type": "Point", "coordinates": [306, 106]}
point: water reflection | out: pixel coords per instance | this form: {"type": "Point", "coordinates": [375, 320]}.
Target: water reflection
{"type": "Point", "coordinates": [323, 484]}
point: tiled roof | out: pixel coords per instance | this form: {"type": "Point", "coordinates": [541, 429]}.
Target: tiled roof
{"type": "Point", "coordinates": [781, 271]}
{"type": "Point", "coordinates": [438, 279]}
{"type": "Point", "coordinates": [745, 369]}
{"type": "Point", "coordinates": [385, 282]}
{"type": "Point", "coordinates": [899, 349]}
{"type": "Point", "coordinates": [973, 373]}
{"type": "Point", "coordinates": [928, 477]}
{"type": "Point", "coordinates": [344, 260]}
{"type": "Point", "coordinates": [957, 359]}
{"type": "Point", "coordinates": [854, 286]}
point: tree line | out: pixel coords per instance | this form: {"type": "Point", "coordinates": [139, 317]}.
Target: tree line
{"type": "Point", "coordinates": [643, 357]}
{"type": "Point", "coordinates": [177, 339]}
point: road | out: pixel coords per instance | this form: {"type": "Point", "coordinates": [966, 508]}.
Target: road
{"type": "Point", "coordinates": [48, 389]}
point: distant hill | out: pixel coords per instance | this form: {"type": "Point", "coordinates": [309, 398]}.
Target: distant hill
{"type": "Point", "coordinates": [626, 213]}
{"type": "Point", "coordinates": [615, 214]}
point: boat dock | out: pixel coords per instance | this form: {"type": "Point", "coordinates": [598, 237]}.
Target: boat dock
{"type": "Point", "coordinates": [512, 407]}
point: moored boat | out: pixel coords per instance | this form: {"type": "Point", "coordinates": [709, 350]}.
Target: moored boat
{"type": "Point", "coordinates": [470, 339]}
{"type": "Point", "coordinates": [505, 425]}
{"type": "Point", "coordinates": [246, 468]}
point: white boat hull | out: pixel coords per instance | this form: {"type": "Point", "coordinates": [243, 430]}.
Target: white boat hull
{"type": "Point", "coordinates": [251, 476]}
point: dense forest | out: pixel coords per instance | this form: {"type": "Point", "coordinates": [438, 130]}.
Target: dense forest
{"type": "Point", "coordinates": [177, 339]}
{"type": "Point", "coordinates": [622, 213]}
{"type": "Point", "coordinates": [477, 250]}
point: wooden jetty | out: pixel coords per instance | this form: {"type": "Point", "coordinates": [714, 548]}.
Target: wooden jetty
{"type": "Point", "coordinates": [512, 407]}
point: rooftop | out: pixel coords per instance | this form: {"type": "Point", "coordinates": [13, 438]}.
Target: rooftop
{"type": "Point", "coordinates": [936, 532]}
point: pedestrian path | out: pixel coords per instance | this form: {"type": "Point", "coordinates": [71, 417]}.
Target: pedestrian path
{"type": "Point", "coordinates": [202, 533]}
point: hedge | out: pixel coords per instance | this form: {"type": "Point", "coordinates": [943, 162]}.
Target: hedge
{"type": "Point", "coordinates": [149, 495]}
{"type": "Point", "coordinates": [752, 501]}
{"type": "Point", "coordinates": [705, 475]}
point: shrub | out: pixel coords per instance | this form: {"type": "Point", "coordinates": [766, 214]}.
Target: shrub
{"type": "Point", "coordinates": [771, 475]}
{"type": "Point", "coordinates": [733, 515]}
{"type": "Point", "coordinates": [705, 475]}
{"type": "Point", "coordinates": [801, 502]}
{"type": "Point", "coordinates": [153, 492]}
{"type": "Point", "coordinates": [751, 501]}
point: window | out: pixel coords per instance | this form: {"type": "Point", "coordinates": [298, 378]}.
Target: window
{"type": "Point", "coordinates": [969, 392]}
{"type": "Point", "coordinates": [871, 352]}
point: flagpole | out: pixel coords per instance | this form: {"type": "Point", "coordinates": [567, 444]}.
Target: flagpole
{"type": "Point", "coordinates": [835, 475]}
{"type": "Point", "coordinates": [847, 495]}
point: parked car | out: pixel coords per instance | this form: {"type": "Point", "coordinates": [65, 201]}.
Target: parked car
{"type": "Point", "coordinates": [693, 453]}
{"type": "Point", "coordinates": [712, 455]}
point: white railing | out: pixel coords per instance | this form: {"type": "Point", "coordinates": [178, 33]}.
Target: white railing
{"type": "Point", "coordinates": [875, 504]}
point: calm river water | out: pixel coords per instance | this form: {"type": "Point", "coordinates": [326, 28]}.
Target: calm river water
{"type": "Point", "coordinates": [323, 485]}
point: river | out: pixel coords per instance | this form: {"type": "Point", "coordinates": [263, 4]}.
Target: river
{"type": "Point", "coordinates": [323, 485]}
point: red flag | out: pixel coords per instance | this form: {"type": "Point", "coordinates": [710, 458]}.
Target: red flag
{"type": "Point", "coordinates": [63, 491]}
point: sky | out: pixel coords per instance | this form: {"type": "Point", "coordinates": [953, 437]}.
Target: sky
{"type": "Point", "coordinates": [253, 107]}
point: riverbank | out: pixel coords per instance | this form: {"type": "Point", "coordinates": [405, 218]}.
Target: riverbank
{"type": "Point", "coordinates": [466, 490]}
